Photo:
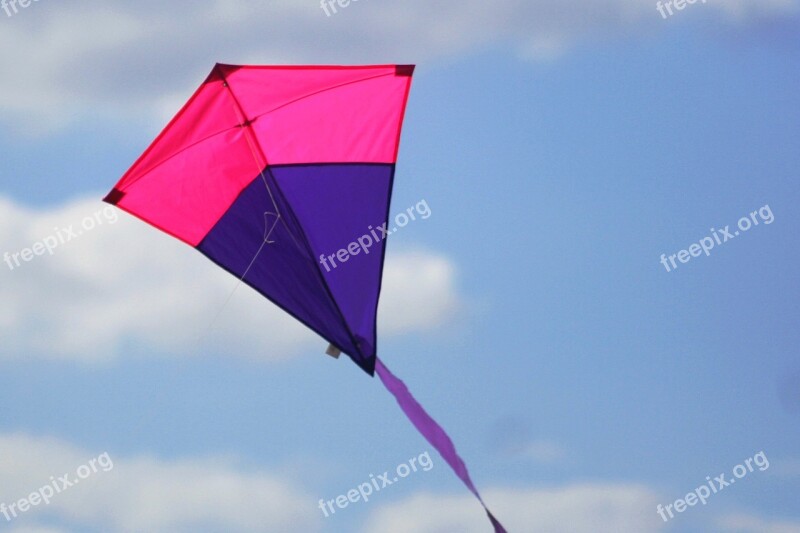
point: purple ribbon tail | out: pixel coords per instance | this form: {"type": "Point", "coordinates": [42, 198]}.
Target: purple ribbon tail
{"type": "Point", "coordinates": [432, 431]}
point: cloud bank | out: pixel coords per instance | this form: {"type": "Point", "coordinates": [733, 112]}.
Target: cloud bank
{"type": "Point", "coordinates": [215, 494]}
{"type": "Point", "coordinates": [121, 59]}
{"type": "Point", "coordinates": [146, 494]}
{"type": "Point", "coordinates": [586, 508]}
{"type": "Point", "coordinates": [123, 285]}
{"type": "Point", "coordinates": [219, 494]}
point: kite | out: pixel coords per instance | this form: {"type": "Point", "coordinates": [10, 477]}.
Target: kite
{"type": "Point", "coordinates": [266, 169]}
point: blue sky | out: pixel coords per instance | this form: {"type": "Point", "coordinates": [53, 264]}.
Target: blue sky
{"type": "Point", "coordinates": [562, 148]}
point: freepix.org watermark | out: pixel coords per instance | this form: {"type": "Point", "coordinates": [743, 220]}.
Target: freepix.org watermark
{"type": "Point", "coordinates": [720, 237]}
{"type": "Point", "coordinates": [375, 235]}
{"type": "Point", "coordinates": [329, 6]}
{"type": "Point", "coordinates": [680, 5]}
{"type": "Point", "coordinates": [11, 6]}
{"type": "Point", "coordinates": [60, 237]}
{"type": "Point", "coordinates": [713, 486]}
{"type": "Point", "coordinates": [374, 485]}
{"type": "Point", "coordinates": [56, 486]}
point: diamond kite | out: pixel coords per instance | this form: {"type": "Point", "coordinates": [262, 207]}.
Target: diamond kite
{"type": "Point", "coordinates": [268, 167]}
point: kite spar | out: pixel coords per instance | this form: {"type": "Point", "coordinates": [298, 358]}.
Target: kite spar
{"type": "Point", "coordinates": [267, 168]}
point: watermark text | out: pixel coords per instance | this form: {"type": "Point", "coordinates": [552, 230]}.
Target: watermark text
{"type": "Point", "coordinates": [718, 237]}
{"type": "Point", "coordinates": [375, 236]}
{"type": "Point", "coordinates": [375, 484]}
{"type": "Point", "coordinates": [713, 486]}
{"type": "Point", "coordinates": [665, 8]}
{"type": "Point", "coordinates": [56, 486]}
{"type": "Point", "coordinates": [59, 237]}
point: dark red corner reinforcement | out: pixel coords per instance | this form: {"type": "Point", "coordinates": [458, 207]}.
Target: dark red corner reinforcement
{"type": "Point", "coordinates": [114, 197]}
{"type": "Point", "coordinates": [221, 70]}
{"type": "Point", "coordinates": [404, 70]}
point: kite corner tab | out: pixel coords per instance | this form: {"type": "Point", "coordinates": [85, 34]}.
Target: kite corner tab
{"type": "Point", "coordinates": [404, 70]}
{"type": "Point", "coordinates": [114, 197]}
{"type": "Point", "coordinates": [333, 351]}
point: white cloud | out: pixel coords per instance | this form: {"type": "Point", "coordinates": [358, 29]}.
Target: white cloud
{"type": "Point", "coordinates": [221, 494]}
{"type": "Point", "coordinates": [120, 58]}
{"type": "Point", "coordinates": [126, 284]}
{"type": "Point", "coordinates": [145, 494]}
{"type": "Point", "coordinates": [588, 508]}
{"type": "Point", "coordinates": [744, 523]}
{"type": "Point", "coordinates": [419, 292]}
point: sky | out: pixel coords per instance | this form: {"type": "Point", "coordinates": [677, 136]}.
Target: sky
{"type": "Point", "coordinates": [578, 311]}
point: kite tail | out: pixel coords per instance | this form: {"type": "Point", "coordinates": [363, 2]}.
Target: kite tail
{"type": "Point", "coordinates": [432, 431]}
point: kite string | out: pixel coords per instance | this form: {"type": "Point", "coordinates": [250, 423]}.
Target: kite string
{"type": "Point", "coordinates": [244, 123]}
{"type": "Point", "coordinates": [268, 230]}
{"type": "Point", "coordinates": [261, 163]}
{"type": "Point", "coordinates": [146, 417]}
{"type": "Point", "coordinates": [232, 293]}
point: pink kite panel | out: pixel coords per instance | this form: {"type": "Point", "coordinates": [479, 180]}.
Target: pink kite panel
{"type": "Point", "coordinates": [195, 169]}
{"type": "Point", "coordinates": [209, 112]}
{"type": "Point", "coordinates": [188, 193]}
{"type": "Point", "coordinates": [324, 115]}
